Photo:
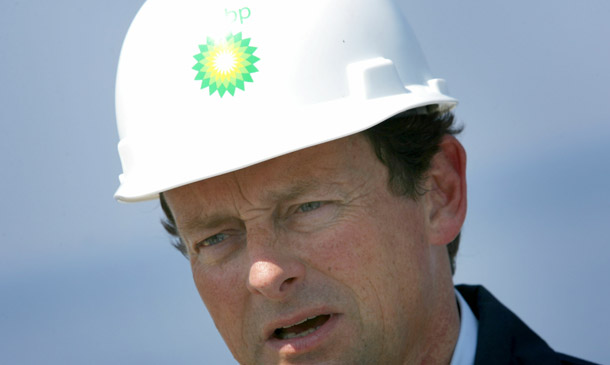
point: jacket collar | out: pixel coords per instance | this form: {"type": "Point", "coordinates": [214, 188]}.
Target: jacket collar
{"type": "Point", "coordinates": [502, 337]}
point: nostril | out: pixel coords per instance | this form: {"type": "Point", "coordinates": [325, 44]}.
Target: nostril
{"type": "Point", "coordinates": [287, 282]}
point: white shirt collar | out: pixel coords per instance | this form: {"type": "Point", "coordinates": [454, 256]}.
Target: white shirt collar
{"type": "Point", "coordinates": [466, 346]}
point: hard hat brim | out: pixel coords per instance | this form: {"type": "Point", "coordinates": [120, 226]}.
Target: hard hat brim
{"type": "Point", "coordinates": [308, 127]}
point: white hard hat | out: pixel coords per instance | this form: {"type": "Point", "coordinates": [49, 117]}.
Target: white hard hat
{"type": "Point", "coordinates": [208, 87]}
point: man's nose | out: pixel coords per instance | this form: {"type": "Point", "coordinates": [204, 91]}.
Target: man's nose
{"type": "Point", "coordinates": [274, 272]}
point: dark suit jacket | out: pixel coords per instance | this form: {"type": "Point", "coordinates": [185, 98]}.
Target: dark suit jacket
{"type": "Point", "coordinates": [503, 337]}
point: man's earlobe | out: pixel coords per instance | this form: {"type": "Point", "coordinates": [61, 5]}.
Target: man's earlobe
{"type": "Point", "coordinates": [446, 192]}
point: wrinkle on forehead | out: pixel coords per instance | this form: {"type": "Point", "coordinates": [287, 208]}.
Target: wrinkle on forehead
{"type": "Point", "coordinates": [212, 211]}
{"type": "Point", "coordinates": [290, 176]}
{"type": "Point", "coordinates": [247, 193]}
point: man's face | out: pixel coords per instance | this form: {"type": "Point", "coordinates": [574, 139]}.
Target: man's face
{"type": "Point", "coordinates": [309, 258]}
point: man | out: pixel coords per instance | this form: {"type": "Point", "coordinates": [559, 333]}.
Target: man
{"type": "Point", "coordinates": [306, 162]}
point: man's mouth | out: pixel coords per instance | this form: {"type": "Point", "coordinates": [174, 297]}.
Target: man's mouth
{"type": "Point", "coordinates": [301, 329]}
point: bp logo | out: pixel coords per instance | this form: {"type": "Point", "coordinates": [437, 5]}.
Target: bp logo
{"type": "Point", "coordinates": [227, 65]}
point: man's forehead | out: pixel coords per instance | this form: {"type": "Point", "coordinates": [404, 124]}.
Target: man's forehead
{"type": "Point", "coordinates": [329, 167]}
{"type": "Point", "coordinates": [211, 210]}
{"type": "Point", "coordinates": [222, 194]}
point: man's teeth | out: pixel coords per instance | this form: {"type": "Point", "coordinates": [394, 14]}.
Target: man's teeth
{"type": "Point", "coordinates": [301, 329]}
{"type": "Point", "coordinates": [295, 335]}
{"type": "Point", "coordinates": [303, 321]}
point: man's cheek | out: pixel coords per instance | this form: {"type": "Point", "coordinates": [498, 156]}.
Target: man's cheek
{"type": "Point", "coordinates": [222, 293]}
{"type": "Point", "coordinates": [347, 249]}
{"type": "Point", "coordinates": [225, 302]}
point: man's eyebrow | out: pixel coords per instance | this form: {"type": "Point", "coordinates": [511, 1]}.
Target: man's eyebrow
{"type": "Point", "coordinates": [302, 187]}
{"type": "Point", "coordinates": [295, 190]}
{"type": "Point", "coordinates": [197, 222]}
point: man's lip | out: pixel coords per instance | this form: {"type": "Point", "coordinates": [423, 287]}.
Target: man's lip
{"type": "Point", "coordinates": [294, 346]}
{"type": "Point", "coordinates": [293, 319]}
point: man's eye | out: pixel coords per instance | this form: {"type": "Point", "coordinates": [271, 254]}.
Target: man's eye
{"type": "Point", "coordinates": [308, 207]}
{"type": "Point", "coordinates": [213, 240]}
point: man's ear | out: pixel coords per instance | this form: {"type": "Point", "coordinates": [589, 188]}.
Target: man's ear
{"type": "Point", "coordinates": [445, 197]}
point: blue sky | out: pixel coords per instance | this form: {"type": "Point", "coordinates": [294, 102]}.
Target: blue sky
{"type": "Point", "coordinates": [87, 280]}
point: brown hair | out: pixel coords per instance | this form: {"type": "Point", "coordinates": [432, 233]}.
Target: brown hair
{"type": "Point", "coordinates": [406, 144]}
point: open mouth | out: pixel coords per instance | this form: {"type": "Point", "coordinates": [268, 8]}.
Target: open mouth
{"type": "Point", "coordinates": [301, 329]}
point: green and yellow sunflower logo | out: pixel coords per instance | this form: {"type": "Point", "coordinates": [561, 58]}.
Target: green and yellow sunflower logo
{"type": "Point", "coordinates": [226, 65]}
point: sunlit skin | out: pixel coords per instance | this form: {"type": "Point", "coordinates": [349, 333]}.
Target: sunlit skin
{"type": "Point", "coordinates": [318, 232]}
